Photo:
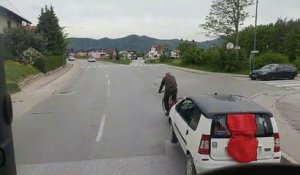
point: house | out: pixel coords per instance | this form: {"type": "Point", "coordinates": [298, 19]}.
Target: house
{"type": "Point", "coordinates": [110, 52]}
{"type": "Point", "coordinates": [132, 55]}
{"type": "Point", "coordinates": [9, 19]}
{"type": "Point", "coordinates": [81, 54]}
{"type": "Point", "coordinates": [155, 52]}
{"type": "Point", "coordinates": [175, 53]}
{"type": "Point", "coordinates": [97, 53]}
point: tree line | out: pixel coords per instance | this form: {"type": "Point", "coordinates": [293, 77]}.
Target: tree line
{"type": "Point", "coordinates": [277, 42]}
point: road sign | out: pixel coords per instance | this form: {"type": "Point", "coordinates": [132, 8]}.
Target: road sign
{"type": "Point", "coordinates": [230, 46]}
{"type": "Point", "coordinates": [237, 47]}
{"type": "Point", "coordinates": [254, 51]}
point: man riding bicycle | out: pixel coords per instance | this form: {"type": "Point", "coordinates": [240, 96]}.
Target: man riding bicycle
{"type": "Point", "coordinates": [170, 84]}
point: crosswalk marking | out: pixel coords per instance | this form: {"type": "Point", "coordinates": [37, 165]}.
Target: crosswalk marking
{"type": "Point", "coordinates": [114, 65]}
{"type": "Point", "coordinates": [285, 84]}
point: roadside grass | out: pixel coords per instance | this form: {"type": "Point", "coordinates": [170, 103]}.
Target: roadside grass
{"type": "Point", "coordinates": [16, 72]}
{"type": "Point", "coordinates": [179, 63]}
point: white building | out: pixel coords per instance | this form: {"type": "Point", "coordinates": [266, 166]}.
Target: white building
{"type": "Point", "coordinates": [155, 52]}
{"type": "Point", "coordinates": [9, 19]}
{"type": "Point", "coordinates": [175, 53]}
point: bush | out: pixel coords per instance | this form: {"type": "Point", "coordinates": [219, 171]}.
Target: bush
{"type": "Point", "coordinates": [49, 63]}
{"type": "Point", "coordinates": [40, 64]}
{"type": "Point", "coordinates": [29, 56]}
{"type": "Point", "coordinates": [297, 63]}
{"type": "Point", "coordinates": [54, 62]}
{"type": "Point", "coordinates": [270, 58]}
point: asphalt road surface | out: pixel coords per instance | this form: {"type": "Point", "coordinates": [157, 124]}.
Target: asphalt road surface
{"type": "Point", "coordinates": [109, 121]}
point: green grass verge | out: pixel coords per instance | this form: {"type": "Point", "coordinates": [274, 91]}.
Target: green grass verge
{"type": "Point", "coordinates": [16, 72]}
{"type": "Point", "coordinates": [179, 63]}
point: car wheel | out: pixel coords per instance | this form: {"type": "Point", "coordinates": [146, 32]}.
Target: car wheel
{"type": "Point", "coordinates": [253, 78]}
{"type": "Point", "coordinates": [190, 167]}
{"type": "Point", "coordinates": [172, 135]}
{"type": "Point", "coordinates": [291, 77]}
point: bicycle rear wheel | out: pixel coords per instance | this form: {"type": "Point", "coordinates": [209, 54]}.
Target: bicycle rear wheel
{"type": "Point", "coordinates": [163, 106]}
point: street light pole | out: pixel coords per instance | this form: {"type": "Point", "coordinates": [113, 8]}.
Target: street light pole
{"type": "Point", "coordinates": [255, 31]}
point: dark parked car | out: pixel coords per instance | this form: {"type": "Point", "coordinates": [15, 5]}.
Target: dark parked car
{"type": "Point", "coordinates": [274, 71]}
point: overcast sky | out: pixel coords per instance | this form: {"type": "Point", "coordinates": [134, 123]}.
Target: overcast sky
{"type": "Point", "coordinates": [164, 19]}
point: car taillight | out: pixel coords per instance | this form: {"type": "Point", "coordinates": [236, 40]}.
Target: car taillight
{"type": "Point", "coordinates": [276, 142]}
{"type": "Point", "coordinates": [204, 144]}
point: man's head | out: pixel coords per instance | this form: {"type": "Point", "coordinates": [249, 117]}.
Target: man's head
{"type": "Point", "coordinates": [168, 74]}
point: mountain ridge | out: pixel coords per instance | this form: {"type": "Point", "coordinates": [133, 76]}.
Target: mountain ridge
{"type": "Point", "coordinates": [131, 42]}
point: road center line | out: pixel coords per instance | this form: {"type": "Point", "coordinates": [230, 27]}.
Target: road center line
{"type": "Point", "coordinates": [106, 76]}
{"type": "Point", "coordinates": [101, 127]}
{"type": "Point", "coordinates": [108, 82]}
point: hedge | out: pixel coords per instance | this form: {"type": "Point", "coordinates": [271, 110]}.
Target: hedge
{"type": "Point", "coordinates": [270, 58]}
{"type": "Point", "coordinates": [49, 63]}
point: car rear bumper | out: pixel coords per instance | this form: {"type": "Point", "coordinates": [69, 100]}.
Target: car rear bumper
{"type": "Point", "coordinates": [210, 164]}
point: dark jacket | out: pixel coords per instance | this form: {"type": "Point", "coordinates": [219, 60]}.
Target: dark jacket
{"type": "Point", "coordinates": [169, 82]}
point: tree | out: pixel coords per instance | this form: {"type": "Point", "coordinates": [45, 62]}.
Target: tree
{"type": "Point", "coordinates": [226, 17]}
{"type": "Point", "coordinates": [19, 39]}
{"type": "Point", "coordinates": [49, 26]}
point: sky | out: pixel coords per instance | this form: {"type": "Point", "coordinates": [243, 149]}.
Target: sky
{"type": "Point", "coordinates": [163, 19]}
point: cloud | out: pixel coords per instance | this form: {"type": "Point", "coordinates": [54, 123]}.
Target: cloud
{"type": "Point", "coordinates": [156, 18]}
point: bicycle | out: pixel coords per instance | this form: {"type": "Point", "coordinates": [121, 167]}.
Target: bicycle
{"type": "Point", "coordinates": [171, 103]}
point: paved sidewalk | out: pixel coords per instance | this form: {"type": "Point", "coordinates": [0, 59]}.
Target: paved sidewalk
{"type": "Point", "coordinates": [42, 88]}
{"type": "Point", "coordinates": [289, 135]}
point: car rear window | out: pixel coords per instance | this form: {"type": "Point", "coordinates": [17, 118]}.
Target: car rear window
{"type": "Point", "coordinates": [263, 126]}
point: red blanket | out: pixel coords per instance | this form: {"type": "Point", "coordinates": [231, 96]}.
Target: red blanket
{"type": "Point", "coordinates": [242, 146]}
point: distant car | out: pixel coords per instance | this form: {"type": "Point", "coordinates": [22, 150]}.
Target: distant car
{"type": "Point", "coordinates": [274, 71]}
{"type": "Point", "coordinates": [216, 131]}
{"type": "Point", "coordinates": [91, 59]}
{"type": "Point", "coordinates": [71, 58]}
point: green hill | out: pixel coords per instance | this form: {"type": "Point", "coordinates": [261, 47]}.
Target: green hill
{"type": "Point", "coordinates": [131, 42]}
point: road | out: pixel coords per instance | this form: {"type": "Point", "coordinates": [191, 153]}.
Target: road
{"type": "Point", "coordinates": [109, 121]}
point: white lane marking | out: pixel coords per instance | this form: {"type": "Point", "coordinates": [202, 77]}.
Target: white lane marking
{"type": "Point", "coordinates": [108, 82]}
{"type": "Point", "coordinates": [106, 75]}
{"type": "Point", "coordinates": [287, 85]}
{"type": "Point", "coordinates": [99, 66]}
{"type": "Point", "coordinates": [82, 67]}
{"type": "Point", "coordinates": [281, 82]}
{"type": "Point", "coordinates": [101, 127]}
{"type": "Point", "coordinates": [289, 158]}
{"type": "Point", "coordinates": [294, 88]}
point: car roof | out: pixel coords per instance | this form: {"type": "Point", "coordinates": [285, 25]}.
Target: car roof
{"type": "Point", "coordinates": [218, 104]}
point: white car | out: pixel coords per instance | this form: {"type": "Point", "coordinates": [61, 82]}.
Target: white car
{"type": "Point", "coordinates": [71, 58]}
{"type": "Point", "coordinates": [214, 131]}
{"type": "Point", "coordinates": [91, 59]}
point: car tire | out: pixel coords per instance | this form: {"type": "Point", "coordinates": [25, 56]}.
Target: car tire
{"type": "Point", "coordinates": [172, 135]}
{"type": "Point", "coordinates": [253, 78]}
{"type": "Point", "coordinates": [291, 77]}
{"type": "Point", "coordinates": [190, 167]}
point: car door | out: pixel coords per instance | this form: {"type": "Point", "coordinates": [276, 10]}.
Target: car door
{"type": "Point", "coordinates": [279, 71]}
{"type": "Point", "coordinates": [193, 135]}
{"type": "Point", "coordinates": [181, 120]}
{"type": "Point", "coordinates": [7, 159]}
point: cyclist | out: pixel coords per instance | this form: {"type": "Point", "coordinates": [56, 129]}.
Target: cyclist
{"type": "Point", "coordinates": [170, 84]}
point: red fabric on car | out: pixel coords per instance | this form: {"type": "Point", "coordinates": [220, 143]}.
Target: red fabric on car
{"type": "Point", "coordinates": [242, 146]}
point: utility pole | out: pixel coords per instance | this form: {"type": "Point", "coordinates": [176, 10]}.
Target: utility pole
{"type": "Point", "coordinates": [255, 31]}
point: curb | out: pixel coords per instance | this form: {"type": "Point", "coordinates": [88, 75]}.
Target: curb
{"type": "Point", "coordinates": [289, 158]}
{"type": "Point", "coordinates": [34, 78]}
{"type": "Point", "coordinates": [203, 72]}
